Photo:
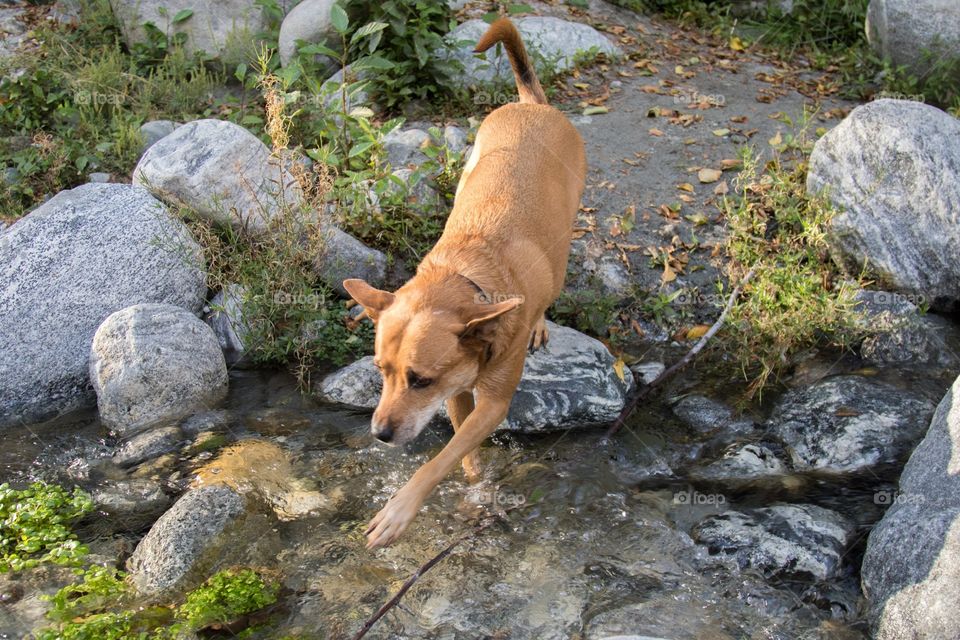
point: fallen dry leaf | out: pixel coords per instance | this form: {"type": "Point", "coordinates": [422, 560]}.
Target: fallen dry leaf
{"type": "Point", "coordinates": [656, 132]}
{"type": "Point", "coordinates": [706, 176]}
{"type": "Point", "coordinates": [618, 368]}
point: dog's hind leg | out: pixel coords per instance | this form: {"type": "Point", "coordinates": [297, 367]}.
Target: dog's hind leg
{"type": "Point", "coordinates": [540, 335]}
{"type": "Point", "coordinates": [459, 407]}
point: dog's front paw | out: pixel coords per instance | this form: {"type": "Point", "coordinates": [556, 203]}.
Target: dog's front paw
{"type": "Point", "coordinates": [539, 337]}
{"type": "Point", "coordinates": [393, 519]}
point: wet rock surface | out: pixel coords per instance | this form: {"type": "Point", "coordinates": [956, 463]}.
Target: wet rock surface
{"type": "Point", "coordinates": [571, 383]}
{"type": "Point", "coordinates": [849, 424]}
{"type": "Point", "coordinates": [783, 539]}
{"type": "Point", "coordinates": [204, 530]}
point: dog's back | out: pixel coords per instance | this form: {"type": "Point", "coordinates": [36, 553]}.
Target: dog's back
{"type": "Point", "coordinates": [521, 187]}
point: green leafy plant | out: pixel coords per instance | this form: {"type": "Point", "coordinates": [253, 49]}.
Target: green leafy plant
{"type": "Point", "coordinates": [227, 596]}
{"type": "Point", "coordinates": [101, 626]}
{"type": "Point", "coordinates": [35, 525]}
{"type": "Point", "coordinates": [410, 35]}
{"type": "Point", "coordinates": [587, 310]}
{"type": "Point", "coordinates": [99, 588]}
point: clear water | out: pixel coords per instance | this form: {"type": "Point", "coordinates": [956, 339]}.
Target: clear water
{"type": "Point", "coordinates": [605, 550]}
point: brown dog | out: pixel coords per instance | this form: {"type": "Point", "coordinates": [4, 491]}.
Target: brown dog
{"type": "Point", "coordinates": [458, 331]}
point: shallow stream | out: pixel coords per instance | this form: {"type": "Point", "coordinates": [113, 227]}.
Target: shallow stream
{"type": "Point", "coordinates": [598, 543]}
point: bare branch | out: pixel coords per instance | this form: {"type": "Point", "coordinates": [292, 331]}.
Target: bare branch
{"type": "Point", "coordinates": [686, 360]}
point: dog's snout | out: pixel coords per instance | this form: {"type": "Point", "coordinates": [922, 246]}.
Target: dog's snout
{"type": "Point", "coordinates": [382, 430]}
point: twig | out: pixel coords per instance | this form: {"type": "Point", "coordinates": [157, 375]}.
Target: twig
{"type": "Point", "coordinates": [429, 564]}
{"type": "Point", "coordinates": [687, 359]}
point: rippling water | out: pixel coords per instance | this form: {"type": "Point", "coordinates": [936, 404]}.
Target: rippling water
{"type": "Point", "coordinates": [599, 547]}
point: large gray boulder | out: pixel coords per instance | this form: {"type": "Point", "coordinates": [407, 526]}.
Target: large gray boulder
{"type": "Point", "coordinates": [221, 28]}
{"type": "Point", "coordinates": [68, 265]}
{"type": "Point", "coordinates": [309, 21]}
{"type": "Point", "coordinates": [922, 35]}
{"type": "Point", "coordinates": [221, 171]}
{"type": "Point", "coordinates": [551, 42]}
{"type": "Point", "coordinates": [911, 568]}
{"type": "Point", "coordinates": [897, 183]}
{"type": "Point", "coordinates": [848, 424]}
{"type": "Point", "coordinates": [152, 364]}
{"type": "Point", "coordinates": [799, 540]}
{"type": "Point", "coordinates": [572, 383]}
{"type": "Point", "coordinates": [206, 529]}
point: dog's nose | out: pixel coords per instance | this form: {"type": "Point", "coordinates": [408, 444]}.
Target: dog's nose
{"type": "Point", "coordinates": [383, 431]}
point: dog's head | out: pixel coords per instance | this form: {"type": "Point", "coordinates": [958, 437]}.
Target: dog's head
{"type": "Point", "coordinates": [430, 345]}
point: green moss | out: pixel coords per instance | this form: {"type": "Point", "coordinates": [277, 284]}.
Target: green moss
{"type": "Point", "coordinates": [35, 525]}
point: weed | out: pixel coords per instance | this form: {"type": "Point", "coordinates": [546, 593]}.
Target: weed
{"type": "Point", "coordinates": [586, 309]}
{"type": "Point", "coordinates": [796, 299]}
{"type": "Point", "coordinates": [35, 525]}
{"type": "Point", "coordinates": [100, 588]}
{"type": "Point", "coordinates": [78, 105]}
{"type": "Point", "coordinates": [102, 606]}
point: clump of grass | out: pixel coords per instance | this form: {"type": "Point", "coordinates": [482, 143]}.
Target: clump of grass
{"type": "Point", "coordinates": [797, 298]}
{"type": "Point", "coordinates": [35, 525]}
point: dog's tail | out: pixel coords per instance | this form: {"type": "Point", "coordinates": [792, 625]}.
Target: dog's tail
{"type": "Point", "coordinates": [502, 30]}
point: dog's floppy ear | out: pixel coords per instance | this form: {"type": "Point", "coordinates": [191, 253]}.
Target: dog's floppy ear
{"type": "Point", "coordinates": [373, 300]}
{"type": "Point", "coordinates": [481, 318]}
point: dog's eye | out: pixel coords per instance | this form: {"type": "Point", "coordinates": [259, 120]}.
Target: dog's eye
{"type": "Point", "coordinates": [418, 382]}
